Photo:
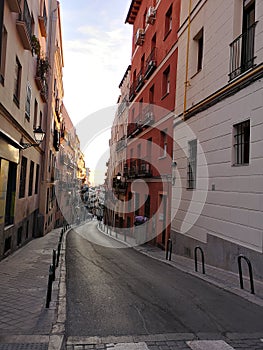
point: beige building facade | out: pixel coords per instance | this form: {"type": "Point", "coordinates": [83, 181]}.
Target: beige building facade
{"type": "Point", "coordinates": [218, 131]}
{"type": "Point", "coordinates": [31, 94]}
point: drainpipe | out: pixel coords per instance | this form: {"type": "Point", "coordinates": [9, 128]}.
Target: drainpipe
{"type": "Point", "coordinates": [1, 24]}
{"type": "Point", "coordinates": [186, 83]}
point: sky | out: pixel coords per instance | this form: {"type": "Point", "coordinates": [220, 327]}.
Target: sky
{"type": "Point", "coordinates": [97, 52]}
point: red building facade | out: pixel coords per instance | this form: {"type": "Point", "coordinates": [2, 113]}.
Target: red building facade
{"type": "Point", "coordinates": [150, 120]}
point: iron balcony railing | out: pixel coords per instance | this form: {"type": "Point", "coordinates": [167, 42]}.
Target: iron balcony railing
{"type": "Point", "coordinates": [242, 54]}
{"type": "Point", "coordinates": [139, 81]}
{"type": "Point", "coordinates": [151, 63]}
{"type": "Point", "coordinates": [132, 92]}
{"type": "Point", "coordinates": [138, 168]}
{"type": "Point", "coordinates": [123, 105]}
{"type": "Point", "coordinates": [121, 144]}
{"type": "Point", "coordinates": [25, 17]}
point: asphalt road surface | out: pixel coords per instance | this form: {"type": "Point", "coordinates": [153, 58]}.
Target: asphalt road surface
{"type": "Point", "coordinates": [119, 291]}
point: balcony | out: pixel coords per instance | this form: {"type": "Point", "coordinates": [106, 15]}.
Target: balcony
{"type": "Point", "coordinates": [119, 186]}
{"type": "Point", "coordinates": [123, 105]}
{"type": "Point", "coordinates": [56, 140]}
{"type": "Point", "coordinates": [151, 64]}
{"type": "Point", "coordinates": [139, 81]}
{"type": "Point", "coordinates": [138, 169]}
{"type": "Point", "coordinates": [133, 129]}
{"type": "Point", "coordinates": [132, 92]}
{"type": "Point", "coordinates": [44, 92]}
{"type": "Point", "coordinates": [121, 144]}
{"type": "Point", "coordinates": [242, 52]}
{"type": "Point", "coordinates": [14, 5]}
{"type": "Point", "coordinates": [24, 27]}
{"type": "Point", "coordinates": [148, 116]}
{"type": "Point", "coordinates": [42, 20]}
{"type": "Point", "coordinates": [144, 170]}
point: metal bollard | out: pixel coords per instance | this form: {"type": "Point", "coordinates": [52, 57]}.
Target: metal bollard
{"type": "Point", "coordinates": [58, 254]}
{"type": "Point", "coordinates": [169, 249]}
{"type": "Point", "coordinates": [49, 286]}
{"type": "Point", "coordinates": [54, 264]}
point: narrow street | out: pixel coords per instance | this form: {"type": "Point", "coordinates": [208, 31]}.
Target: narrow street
{"type": "Point", "coordinates": [113, 291]}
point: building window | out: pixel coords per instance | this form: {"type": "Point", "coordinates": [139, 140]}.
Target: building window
{"type": "Point", "coordinates": [17, 83]}
{"type": "Point", "coordinates": [31, 175]}
{"type": "Point", "coordinates": [147, 206]}
{"type": "Point", "coordinates": [149, 148]}
{"type": "Point", "coordinates": [35, 114]}
{"type": "Point", "coordinates": [192, 164]}
{"type": "Point", "coordinates": [28, 101]}
{"type": "Point", "coordinates": [137, 203]}
{"type": "Point", "coordinates": [47, 201]}
{"type": "Point", "coordinates": [23, 177]}
{"type": "Point", "coordinates": [163, 143]}
{"type": "Point", "coordinates": [19, 236]}
{"type": "Point", "coordinates": [166, 82]}
{"type": "Point", "coordinates": [242, 49]}
{"type": "Point", "coordinates": [40, 118]}
{"type": "Point", "coordinates": [199, 39]}
{"type": "Point", "coordinates": [37, 179]}
{"type": "Point", "coordinates": [8, 242]}
{"type": "Point", "coordinates": [241, 142]}
{"type": "Point", "coordinates": [11, 191]}
{"type": "Point", "coordinates": [168, 21]}
{"type": "Point", "coordinates": [151, 94]}
{"type": "Point", "coordinates": [3, 56]}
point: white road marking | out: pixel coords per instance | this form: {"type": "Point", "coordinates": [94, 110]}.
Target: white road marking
{"type": "Point", "coordinates": [209, 345]}
{"type": "Point", "coordinates": [128, 346]}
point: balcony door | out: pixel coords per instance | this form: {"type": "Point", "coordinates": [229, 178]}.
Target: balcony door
{"type": "Point", "coordinates": [248, 31]}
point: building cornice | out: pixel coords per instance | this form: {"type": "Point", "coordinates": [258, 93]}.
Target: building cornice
{"type": "Point", "coordinates": [133, 11]}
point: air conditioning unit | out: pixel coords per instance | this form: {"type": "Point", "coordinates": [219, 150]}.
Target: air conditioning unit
{"type": "Point", "coordinates": [140, 78]}
{"type": "Point", "coordinates": [149, 118]}
{"type": "Point", "coordinates": [139, 38]}
{"type": "Point", "coordinates": [150, 17]}
{"type": "Point", "coordinates": [152, 63]}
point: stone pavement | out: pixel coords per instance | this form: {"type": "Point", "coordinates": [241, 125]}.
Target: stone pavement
{"type": "Point", "coordinates": [170, 341]}
{"type": "Point", "coordinates": [25, 322]}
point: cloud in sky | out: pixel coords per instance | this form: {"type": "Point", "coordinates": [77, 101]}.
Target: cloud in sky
{"type": "Point", "coordinates": [97, 51]}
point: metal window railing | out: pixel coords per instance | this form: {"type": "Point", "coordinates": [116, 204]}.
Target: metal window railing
{"type": "Point", "coordinates": [242, 52]}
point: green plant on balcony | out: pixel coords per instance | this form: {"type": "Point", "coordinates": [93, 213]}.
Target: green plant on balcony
{"type": "Point", "coordinates": [42, 67]}
{"type": "Point", "coordinates": [35, 44]}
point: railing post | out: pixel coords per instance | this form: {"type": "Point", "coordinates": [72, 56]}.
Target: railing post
{"type": "Point", "coordinates": [202, 257]}
{"type": "Point", "coordinates": [250, 273]}
{"type": "Point", "coordinates": [58, 254]}
{"type": "Point", "coordinates": [54, 264]}
{"type": "Point", "coordinates": [169, 249]}
{"type": "Point", "coordinates": [49, 286]}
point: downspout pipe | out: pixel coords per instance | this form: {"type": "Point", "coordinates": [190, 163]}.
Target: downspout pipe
{"type": "Point", "coordinates": [186, 83]}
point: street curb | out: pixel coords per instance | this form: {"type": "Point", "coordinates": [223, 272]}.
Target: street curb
{"type": "Point", "coordinates": [57, 337]}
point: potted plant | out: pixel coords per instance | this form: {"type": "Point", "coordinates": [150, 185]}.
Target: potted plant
{"type": "Point", "coordinates": [35, 44]}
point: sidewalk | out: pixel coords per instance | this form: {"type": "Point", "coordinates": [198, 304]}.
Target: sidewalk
{"type": "Point", "coordinates": [25, 322]}
{"type": "Point", "coordinates": [223, 279]}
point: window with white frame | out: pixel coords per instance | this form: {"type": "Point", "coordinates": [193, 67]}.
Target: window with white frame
{"type": "Point", "coordinates": [166, 82]}
{"type": "Point", "coordinates": [199, 39]}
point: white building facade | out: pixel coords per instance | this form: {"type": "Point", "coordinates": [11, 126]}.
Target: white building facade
{"type": "Point", "coordinates": [218, 133]}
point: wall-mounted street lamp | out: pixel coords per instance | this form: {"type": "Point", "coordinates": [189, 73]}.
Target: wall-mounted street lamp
{"type": "Point", "coordinates": [118, 177]}
{"type": "Point", "coordinates": [39, 135]}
